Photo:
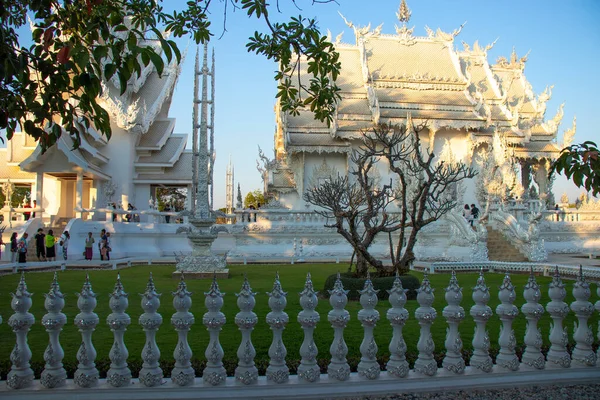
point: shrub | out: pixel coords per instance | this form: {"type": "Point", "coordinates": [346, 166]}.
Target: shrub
{"type": "Point", "coordinates": [354, 285]}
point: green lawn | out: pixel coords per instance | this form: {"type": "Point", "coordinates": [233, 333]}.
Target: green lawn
{"type": "Point", "coordinates": [261, 279]}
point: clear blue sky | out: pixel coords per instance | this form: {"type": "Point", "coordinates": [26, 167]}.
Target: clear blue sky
{"type": "Point", "coordinates": [563, 36]}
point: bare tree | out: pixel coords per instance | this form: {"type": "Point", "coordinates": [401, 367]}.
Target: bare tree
{"type": "Point", "coordinates": [361, 208]}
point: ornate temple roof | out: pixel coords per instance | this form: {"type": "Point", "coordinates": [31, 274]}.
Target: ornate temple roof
{"type": "Point", "coordinates": [386, 76]}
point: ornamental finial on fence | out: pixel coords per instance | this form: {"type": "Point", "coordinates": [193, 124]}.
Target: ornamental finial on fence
{"type": "Point", "coordinates": [119, 374]}
{"type": "Point", "coordinates": [246, 372]}
{"type": "Point", "coordinates": [54, 375]}
{"type": "Point", "coordinates": [454, 314]}
{"type": "Point", "coordinates": [151, 374]}
{"type": "Point", "coordinates": [368, 367]}
{"type": "Point", "coordinates": [20, 375]}
{"type": "Point", "coordinates": [308, 370]}
{"type": "Point", "coordinates": [558, 356]}
{"type": "Point", "coordinates": [507, 311]}
{"type": "Point", "coordinates": [277, 371]}
{"type": "Point", "coordinates": [397, 366]}
{"type": "Point", "coordinates": [214, 373]}
{"type": "Point", "coordinates": [425, 314]}
{"type": "Point", "coordinates": [481, 312]}
{"type": "Point", "coordinates": [338, 368]}
{"type": "Point", "coordinates": [183, 374]}
{"type": "Point", "coordinates": [533, 311]}
{"type": "Point", "coordinates": [583, 355]}
{"type": "Point", "coordinates": [87, 373]}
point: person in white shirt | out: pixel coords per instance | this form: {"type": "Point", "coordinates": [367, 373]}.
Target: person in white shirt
{"type": "Point", "coordinates": [64, 243]}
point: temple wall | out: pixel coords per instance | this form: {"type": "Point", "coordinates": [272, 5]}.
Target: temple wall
{"type": "Point", "coordinates": [121, 152]}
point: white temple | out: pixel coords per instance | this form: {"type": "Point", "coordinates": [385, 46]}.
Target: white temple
{"type": "Point", "coordinates": [464, 98]}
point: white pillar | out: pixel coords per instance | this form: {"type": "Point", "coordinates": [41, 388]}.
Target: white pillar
{"type": "Point", "coordinates": [39, 192]}
{"type": "Point", "coordinates": [79, 194]}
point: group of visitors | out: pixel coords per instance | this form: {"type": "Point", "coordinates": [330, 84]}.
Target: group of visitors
{"type": "Point", "coordinates": [103, 245]}
{"type": "Point", "coordinates": [45, 246]}
{"type": "Point", "coordinates": [133, 216]}
{"type": "Point", "coordinates": [471, 214]}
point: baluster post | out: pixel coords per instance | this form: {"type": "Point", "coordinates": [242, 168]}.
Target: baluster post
{"type": "Point", "coordinates": [368, 367]}
{"type": "Point", "coordinates": [558, 356]}
{"type": "Point", "coordinates": [54, 375]}
{"type": "Point", "coordinates": [119, 374]}
{"type": "Point", "coordinates": [397, 315]}
{"type": "Point", "coordinates": [183, 374]}
{"type": "Point", "coordinates": [21, 374]}
{"type": "Point", "coordinates": [277, 319]}
{"type": "Point", "coordinates": [507, 359]}
{"type": "Point", "coordinates": [425, 314]}
{"type": "Point", "coordinates": [214, 373]}
{"type": "Point", "coordinates": [533, 311]}
{"type": "Point", "coordinates": [339, 317]}
{"type": "Point", "coordinates": [246, 372]}
{"type": "Point", "coordinates": [151, 374]}
{"type": "Point", "coordinates": [481, 313]}
{"type": "Point", "coordinates": [453, 313]}
{"type": "Point", "coordinates": [583, 355]}
{"type": "Point", "coordinates": [308, 370]}
{"type": "Point", "coordinates": [86, 374]}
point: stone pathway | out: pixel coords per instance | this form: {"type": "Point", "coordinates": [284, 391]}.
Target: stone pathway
{"type": "Point", "coordinates": [579, 392]}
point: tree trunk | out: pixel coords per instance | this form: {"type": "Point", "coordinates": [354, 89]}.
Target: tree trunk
{"type": "Point", "coordinates": [362, 265]}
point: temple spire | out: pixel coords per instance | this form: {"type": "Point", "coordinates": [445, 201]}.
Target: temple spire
{"type": "Point", "coordinates": [403, 13]}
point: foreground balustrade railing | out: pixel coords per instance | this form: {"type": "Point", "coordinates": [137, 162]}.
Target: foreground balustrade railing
{"type": "Point", "coordinates": [21, 376]}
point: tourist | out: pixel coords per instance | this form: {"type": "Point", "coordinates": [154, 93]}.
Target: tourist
{"type": "Point", "coordinates": [22, 248]}
{"type": "Point", "coordinates": [467, 214]}
{"type": "Point", "coordinates": [34, 207]}
{"type": "Point", "coordinates": [40, 245]}
{"type": "Point", "coordinates": [26, 214]}
{"type": "Point", "coordinates": [474, 213]}
{"type": "Point", "coordinates": [136, 216]}
{"type": "Point", "coordinates": [50, 250]}
{"type": "Point", "coordinates": [107, 244]}
{"type": "Point", "coordinates": [13, 247]}
{"type": "Point", "coordinates": [129, 208]}
{"type": "Point", "coordinates": [167, 217]}
{"type": "Point", "coordinates": [89, 242]}
{"type": "Point", "coordinates": [114, 214]}
{"type": "Point", "coordinates": [64, 243]}
{"type": "Point", "coordinates": [102, 244]}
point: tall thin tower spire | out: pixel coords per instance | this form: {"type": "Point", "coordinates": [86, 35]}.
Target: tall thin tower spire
{"type": "Point", "coordinates": [195, 127]}
{"type": "Point", "coordinates": [202, 210]}
{"type": "Point", "coordinates": [229, 188]}
{"type": "Point", "coordinates": [212, 153]}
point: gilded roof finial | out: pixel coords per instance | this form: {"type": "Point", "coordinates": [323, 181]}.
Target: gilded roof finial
{"type": "Point", "coordinates": [403, 13]}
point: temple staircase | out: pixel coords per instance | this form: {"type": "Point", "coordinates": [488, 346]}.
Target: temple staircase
{"type": "Point", "coordinates": [500, 249]}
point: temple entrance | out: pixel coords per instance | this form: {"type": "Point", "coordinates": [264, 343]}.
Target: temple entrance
{"type": "Point", "coordinates": [170, 198]}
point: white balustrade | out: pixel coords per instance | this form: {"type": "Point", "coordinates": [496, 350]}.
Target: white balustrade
{"type": "Point", "coordinates": [559, 362]}
{"type": "Point", "coordinates": [214, 319]}
{"type": "Point", "coordinates": [397, 315]}
{"type": "Point", "coordinates": [559, 338]}
{"type": "Point", "coordinates": [54, 375]}
{"type": "Point", "coordinates": [425, 314]}
{"type": "Point", "coordinates": [368, 367]}
{"type": "Point", "coordinates": [119, 374]}
{"type": "Point", "coordinates": [453, 313]}
{"type": "Point", "coordinates": [87, 373]}
{"type": "Point", "coordinates": [246, 372]}
{"type": "Point", "coordinates": [151, 374]}
{"type": "Point", "coordinates": [507, 358]}
{"type": "Point", "coordinates": [183, 374]}
{"type": "Point", "coordinates": [277, 319]}
{"type": "Point", "coordinates": [21, 374]}
{"type": "Point", "coordinates": [533, 311]}
{"type": "Point", "coordinates": [338, 368]}
{"type": "Point", "coordinates": [481, 313]}
{"type": "Point", "coordinates": [583, 355]}
{"type": "Point", "coordinates": [308, 370]}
